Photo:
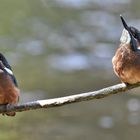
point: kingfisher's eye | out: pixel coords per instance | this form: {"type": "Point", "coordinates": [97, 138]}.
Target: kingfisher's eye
{"type": "Point", "coordinates": [134, 32]}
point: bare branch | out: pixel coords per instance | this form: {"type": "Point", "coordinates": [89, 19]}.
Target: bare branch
{"type": "Point", "coordinates": [119, 88]}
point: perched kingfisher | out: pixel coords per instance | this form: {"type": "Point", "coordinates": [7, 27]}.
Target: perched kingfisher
{"type": "Point", "coordinates": [9, 92]}
{"type": "Point", "coordinates": [126, 62]}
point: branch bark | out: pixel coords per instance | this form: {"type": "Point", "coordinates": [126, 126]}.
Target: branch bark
{"type": "Point", "coordinates": [49, 103]}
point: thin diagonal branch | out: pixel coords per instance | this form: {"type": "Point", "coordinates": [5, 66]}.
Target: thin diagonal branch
{"type": "Point", "coordinates": [49, 103]}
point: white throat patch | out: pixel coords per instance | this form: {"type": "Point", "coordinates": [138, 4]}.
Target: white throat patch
{"type": "Point", "coordinates": [125, 37]}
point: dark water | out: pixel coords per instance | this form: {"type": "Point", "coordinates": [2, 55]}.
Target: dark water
{"type": "Point", "coordinates": [65, 47]}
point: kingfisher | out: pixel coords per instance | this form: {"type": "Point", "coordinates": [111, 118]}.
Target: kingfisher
{"type": "Point", "coordinates": [126, 61]}
{"type": "Point", "coordinates": [9, 92]}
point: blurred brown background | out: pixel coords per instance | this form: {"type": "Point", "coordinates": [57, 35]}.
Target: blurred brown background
{"type": "Point", "coordinates": [65, 47]}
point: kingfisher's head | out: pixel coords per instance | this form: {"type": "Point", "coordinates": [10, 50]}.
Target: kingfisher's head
{"type": "Point", "coordinates": [129, 36]}
{"type": "Point", "coordinates": [6, 68]}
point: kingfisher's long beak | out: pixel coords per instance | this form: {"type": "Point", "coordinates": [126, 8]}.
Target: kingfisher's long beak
{"type": "Point", "coordinates": [132, 41]}
{"type": "Point", "coordinates": [124, 23]}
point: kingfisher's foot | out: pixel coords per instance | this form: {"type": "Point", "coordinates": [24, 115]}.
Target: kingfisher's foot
{"type": "Point", "coordinates": [9, 113]}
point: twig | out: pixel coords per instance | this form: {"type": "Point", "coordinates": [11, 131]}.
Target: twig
{"type": "Point", "coordinates": [49, 103]}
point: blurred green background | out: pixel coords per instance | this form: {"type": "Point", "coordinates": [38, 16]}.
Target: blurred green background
{"type": "Point", "coordinates": [64, 47]}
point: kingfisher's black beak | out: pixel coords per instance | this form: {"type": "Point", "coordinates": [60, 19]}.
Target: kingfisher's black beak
{"type": "Point", "coordinates": [124, 23]}
{"type": "Point", "coordinates": [133, 41]}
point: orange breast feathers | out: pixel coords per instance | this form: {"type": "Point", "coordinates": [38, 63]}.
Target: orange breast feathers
{"type": "Point", "coordinates": [126, 64]}
{"type": "Point", "coordinates": [9, 94]}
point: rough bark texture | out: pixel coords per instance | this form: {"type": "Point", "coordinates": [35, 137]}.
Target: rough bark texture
{"type": "Point", "coordinates": [49, 103]}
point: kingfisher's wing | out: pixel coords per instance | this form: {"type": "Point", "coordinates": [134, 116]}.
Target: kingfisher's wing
{"type": "Point", "coordinates": [7, 68]}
